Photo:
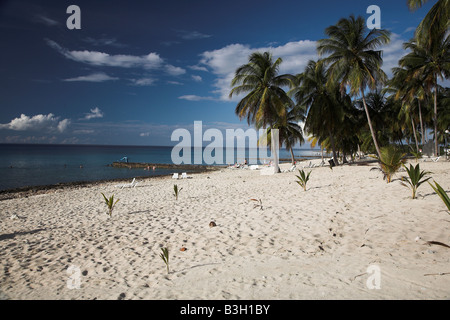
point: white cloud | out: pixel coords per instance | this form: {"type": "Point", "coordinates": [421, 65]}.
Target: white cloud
{"type": "Point", "coordinates": [175, 83]}
{"type": "Point", "coordinates": [95, 113]}
{"type": "Point", "coordinates": [192, 35]}
{"type": "Point", "coordinates": [45, 20]}
{"type": "Point", "coordinates": [197, 78]}
{"type": "Point", "coordinates": [104, 42]}
{"type": "Point", "coordinates": [392, 53]}
{"type": "Point", "coordinates": [143, 82]}
{"type": "Point", "coordinates": [191, 97]}
{"type": "Point", "coordinates": [151, 61]}
{"type": "Point", "coordinates": [63, 125]}
{"type": "Point", "coordinates": [36, 123]}
{"type": "Point", "coordinates": [198, 68]}
{"type": "Point", "coordinates": [223, 62]}
{"type": "Point", "coordinates": [174, 71]}
{"type": "Point", "coordinates": [95, 77]}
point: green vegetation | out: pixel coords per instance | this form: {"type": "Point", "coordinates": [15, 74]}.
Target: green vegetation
{"type": "Point", "coordinates": [165, 257]}
{"type": "Point", "coordinates": [303, 179]}
{"type": "Point", "coordinates": [415, 178]}
{"type": "Point", "coordinates": [176, 191]}
{"type": "Point", "coordinates": [346, 101]}
{"type": "Point", "coordinates": [391, 160]}
{"type": "Point", "coordinates": [442, 194]}
{"type": "Point", "coordinates": [110, 203]}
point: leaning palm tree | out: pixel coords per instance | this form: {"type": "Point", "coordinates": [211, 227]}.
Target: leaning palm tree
{"type": "Point", "coordinates": [353, 60]}
{"type": "Point", "coordinates": [427, 64]}
{"type": "Point", "coordinates": [436, 22]}
{"type": "Point", "coordinates": [265, 102]}
{"type": "Point", "coordinates": [324, 113]}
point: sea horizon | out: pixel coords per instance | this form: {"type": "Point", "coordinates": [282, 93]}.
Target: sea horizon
{"type": "Point", "coordinates": [33, 165]}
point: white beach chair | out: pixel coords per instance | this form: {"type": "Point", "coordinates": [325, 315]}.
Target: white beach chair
{"type": "Point", "coordinates": [436, 159]}
{"type": "Point", "coordinates": [128, 185]}
{"type": "Point", "coordinates": [254, 167]}
{"type": "Point", "coordinates": [175, 176]}
{"type": "Point", "coordinates": [184, 175]}
{"type": "Point", "coordinates": [310, 165]}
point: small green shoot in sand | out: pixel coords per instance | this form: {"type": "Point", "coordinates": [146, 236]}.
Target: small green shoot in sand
{"type": "Point", "coordinates": [391, 160]}
{"type": "Point", "coordinates": [110, 203]}
{"type": "Point", "coordinates": [176, 191]}
{"type": "Point", "coordinates": [415, 178]}
{"type": "Point", "coordinates": [303, 178]}
{"type": "Point", "coordinates": [441, 193]}
{"type": "Point", "coordinates": [165, 257]}
{"type": "Point", "coordinates": [258, 204]}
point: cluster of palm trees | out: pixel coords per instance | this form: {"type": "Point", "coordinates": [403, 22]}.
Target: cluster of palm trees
{"type": "Point", "coordinates": [345, 100]}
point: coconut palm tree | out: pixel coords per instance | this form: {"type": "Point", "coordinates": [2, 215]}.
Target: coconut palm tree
{"type": "Point", "coordinates": [290, 131]}
{"type": "Point", "coordinates": [353, 60]}
{"type": "Point", "coordinates": [427, 64]}
{"type": "Point", "coordinates": [409, 89]}
{"type": "Point", "coordinates": [324, 114]}
{"type": "Point", "coordinates": [265, 102]}
{"type": "Point", "coordinates": [436, 22]}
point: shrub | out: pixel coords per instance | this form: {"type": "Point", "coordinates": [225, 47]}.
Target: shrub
{"type": "Point", "coordinates": [442, 194]}
{"type": "Point", "coordinates": [165, 257]}
{"type": "Point", "coordinates": [303, 178]}
{"type": "Point", "coordinates": [110, 203]}
{"type": "Point", "coordinates": [391, 160]}
{"type": "Point", "coordinates": [414, 179]}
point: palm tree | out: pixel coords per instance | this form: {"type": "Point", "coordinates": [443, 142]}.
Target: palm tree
{"type": "Point", "coordinates": [265, 102]}
{"type": "Point", "coordinates": [324, 114]}
{"type": "Point", "coordinates": [405, 91]}
{"type": "Point", "coordinates": [290, 131]}
{"type": "Point", "coordinates": [353, 59]}
{"type": "Point", "coordinates": [383, 114]}
{"type": "Point", "coordinates": [436, 22]}
{"type": "Point", "coordinates": [409, 89]}
{"type": "Point", "coordinates": [427, 64]}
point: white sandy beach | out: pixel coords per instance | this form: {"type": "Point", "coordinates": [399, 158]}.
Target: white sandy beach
{"type": "Point", "coordinates": [316, 244]}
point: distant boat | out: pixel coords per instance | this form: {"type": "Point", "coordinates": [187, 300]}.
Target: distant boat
{"type": "Point", "coordinates": [124, 159]}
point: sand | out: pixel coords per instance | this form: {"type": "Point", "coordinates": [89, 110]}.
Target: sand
{"type": "Point", "coordinates": [325, 243]}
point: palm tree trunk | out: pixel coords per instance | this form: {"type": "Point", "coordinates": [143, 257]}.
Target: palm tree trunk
{"type": "Point", "coordinates": [415, 134]}
{"type": "Point", "coordinates": [370, 124]}
{"type": "Point", "coordinates": [335, 159]}
{"type": "Point", "coordinates": [421, 123]}
{"type": "Point", "coordinates": [321, 149]}
{"type": "Point", "coordinates": [292, 155]}
{"type": "Point", "coordinates": [436, 144]}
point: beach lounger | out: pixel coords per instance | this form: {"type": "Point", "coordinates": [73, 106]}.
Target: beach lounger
{"type": "Point", "coordinates": [292, 169]}
{"type": "Point", "coordinates": [185, 176]}
{"type": "Point", "coordinates": [310, 165]}
{"type": "Point", "coordinates": [254, 167]}
{"type": "Point", "coordinates": [175, 176]}
{"type": "Point", "coordinates": [128, 185]}
{"type": "Point", "coordinates": [430, 159]}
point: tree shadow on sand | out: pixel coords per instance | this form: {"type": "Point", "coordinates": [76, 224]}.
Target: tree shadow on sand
{"type": "Point", "coordinates": [22, 233]}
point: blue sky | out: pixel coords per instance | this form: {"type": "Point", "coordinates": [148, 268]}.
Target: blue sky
{"type": "Point", "coordinates": [138, 70]}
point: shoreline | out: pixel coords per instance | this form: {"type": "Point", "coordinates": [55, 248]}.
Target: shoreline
{"type": "Point", "coordinates": [26, 191]}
